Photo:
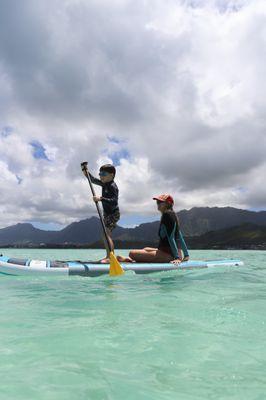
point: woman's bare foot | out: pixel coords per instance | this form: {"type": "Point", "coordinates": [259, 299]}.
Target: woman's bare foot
{"type": "Point", "coordinates": [176, 261]}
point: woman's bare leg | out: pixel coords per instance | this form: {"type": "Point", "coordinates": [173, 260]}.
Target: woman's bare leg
{"type": "Point", "coordinates": [155, 256]}
{"type": "Point", "coordinates": [150, 249]}
{"type": "Point", "coordinates": [129, 259]}
{"type": "Point", "coordinates": [124, 258]}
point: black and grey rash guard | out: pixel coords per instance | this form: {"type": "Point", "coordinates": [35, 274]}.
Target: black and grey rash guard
{"type": "Point", "coordinates": [109, 195]}
{"type": "Point", "coordinates": [170, 236]}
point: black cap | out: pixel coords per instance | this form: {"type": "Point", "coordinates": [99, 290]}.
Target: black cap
{"type": "Point", "coordinates": [108, 168]}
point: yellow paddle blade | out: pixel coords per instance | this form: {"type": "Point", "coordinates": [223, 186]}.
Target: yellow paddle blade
{"type": "Point", "coordinates": [115, 267]}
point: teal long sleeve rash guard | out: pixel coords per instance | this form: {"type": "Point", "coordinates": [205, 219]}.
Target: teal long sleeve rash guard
{"type": "Point", "coordinates": [170, 236]}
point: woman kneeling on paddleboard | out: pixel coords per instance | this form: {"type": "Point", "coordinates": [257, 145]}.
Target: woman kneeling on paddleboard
{"type": "Point", "coordinates": [171, 240]}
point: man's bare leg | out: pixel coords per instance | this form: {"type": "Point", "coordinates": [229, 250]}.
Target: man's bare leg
{"type": "Point", "coordinates": [106, 260]}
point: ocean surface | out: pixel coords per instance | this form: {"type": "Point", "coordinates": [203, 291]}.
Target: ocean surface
{"type": "Point", "coordinates": [188, 335]}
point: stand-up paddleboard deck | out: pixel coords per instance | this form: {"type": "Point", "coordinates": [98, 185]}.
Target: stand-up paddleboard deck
{"type": "Point", "coordinates": [17, 266]}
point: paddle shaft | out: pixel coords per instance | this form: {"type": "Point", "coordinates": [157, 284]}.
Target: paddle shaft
{"type": "Point", "coordinates": [84, 168]}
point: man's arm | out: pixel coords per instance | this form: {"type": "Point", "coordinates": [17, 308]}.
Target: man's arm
{"type": "Point", "coordinates": [95, 180]}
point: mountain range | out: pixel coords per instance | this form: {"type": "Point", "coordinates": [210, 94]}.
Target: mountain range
{"type": "Point", "coordinates": [198, 225]}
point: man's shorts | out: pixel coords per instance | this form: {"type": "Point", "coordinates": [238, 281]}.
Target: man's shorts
{"type": "Point", "coordinates": [111, 220]}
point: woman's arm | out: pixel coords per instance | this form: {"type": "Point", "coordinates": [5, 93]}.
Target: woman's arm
{"type": "Point", "coordinates": [183, 245]}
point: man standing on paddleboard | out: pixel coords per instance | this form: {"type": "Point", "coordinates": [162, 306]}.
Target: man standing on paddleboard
{"type": "Point", "coordinates": [109, 199]}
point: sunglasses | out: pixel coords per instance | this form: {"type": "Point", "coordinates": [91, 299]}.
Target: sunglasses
{"type": "Point", "coordinates": [159, 202]}
{"type": "Point", "coordinates": [103, 173]}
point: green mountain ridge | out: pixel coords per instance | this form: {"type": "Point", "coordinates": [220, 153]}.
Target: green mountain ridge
{"type": "Point", "coordinates": [246, 236]}
{"type": "Point", "coordinates": [199, 225]}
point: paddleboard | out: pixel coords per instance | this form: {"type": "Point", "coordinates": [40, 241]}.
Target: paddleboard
{"type": "Point", "coordinates": [19, 266]}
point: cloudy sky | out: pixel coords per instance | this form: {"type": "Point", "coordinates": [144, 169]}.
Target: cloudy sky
{"type": "Point", "coordinates": [173, 92]}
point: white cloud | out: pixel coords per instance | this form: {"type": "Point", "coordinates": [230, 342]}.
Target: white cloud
{"type": "Point", "coordinates": [179, 84]}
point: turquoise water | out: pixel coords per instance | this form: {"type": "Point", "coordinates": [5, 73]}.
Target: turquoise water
{"type": "Point", "coordinates": [197, 334]}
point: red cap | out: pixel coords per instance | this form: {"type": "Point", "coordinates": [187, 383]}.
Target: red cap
{"type": "Point", "coordinates": [167, 198]}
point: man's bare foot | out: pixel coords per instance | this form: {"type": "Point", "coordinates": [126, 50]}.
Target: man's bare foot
{"type": "Point", "coordinates": [185, 258]}
{"type": "Point", "coordinates": [105, 261]}
{"type": "Point", "coordinates": [125, 259]}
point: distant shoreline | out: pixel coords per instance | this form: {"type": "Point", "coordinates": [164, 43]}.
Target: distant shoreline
{"type": "Point", "coordinates": [130, 245]}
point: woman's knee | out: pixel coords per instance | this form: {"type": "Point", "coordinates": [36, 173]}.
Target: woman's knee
{"type": "Point", "coordinates": [135, 254]}
{"type": "Point", "coordinates": [132, 253]}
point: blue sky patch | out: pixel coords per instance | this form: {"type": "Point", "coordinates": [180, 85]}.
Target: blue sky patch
{"type": "Point", "coordinates": [117, 151]}
{"type": "Point", "coordinates": [6, 131]}
{"type": "Point", "coordinates": [117, 155]}
{"type": "Point", "coordinates": [242, 189]}
{"type": "Point", "coordinates": [38, 150]}
{"type": "Point", "coordinates": [130, 221]}
{"type": "Point", "coordinates": [113, 139]}
{"type": "Point", "coordinates": [47, 226]}
{"type": "Point", "coordinates": [222, 5]}
{"type": "Point", "coordinates": [19, 179]}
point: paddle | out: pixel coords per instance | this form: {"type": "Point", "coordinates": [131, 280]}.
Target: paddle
{"type": "Point", "coordinates": [115, 267]}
